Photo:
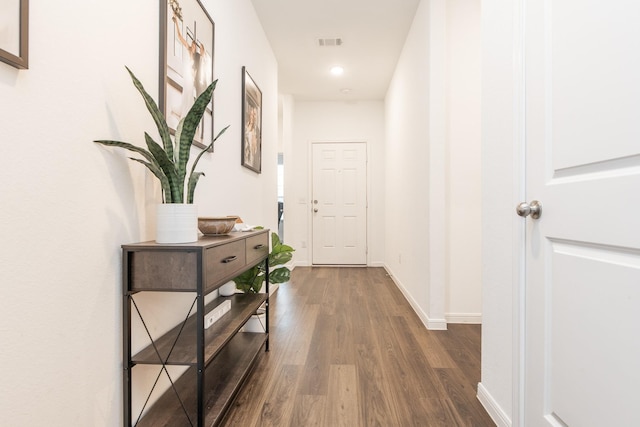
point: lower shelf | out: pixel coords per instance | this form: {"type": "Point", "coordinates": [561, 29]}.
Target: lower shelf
{"type": "Point", "coordinates": [223, 378]}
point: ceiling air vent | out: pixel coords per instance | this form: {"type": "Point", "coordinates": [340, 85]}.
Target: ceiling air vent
{"type": "Point", "coordinates": [329, 42]}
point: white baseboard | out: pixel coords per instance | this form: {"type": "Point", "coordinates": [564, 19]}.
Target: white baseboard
{"type": "Point", "coordinates": [300, 264]}
{"type": "Point", "coordinates": [472, 318]}
{"type": "Point", "coordinates": [431, 324]}
{"type": "Point", "coordinates": [308, 264]}
{"type": "Point", "coordinates": [493, 409]}
{"type": "Point", "coordinates": [436, 324]}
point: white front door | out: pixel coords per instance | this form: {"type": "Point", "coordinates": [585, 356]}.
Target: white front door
{"type": "Point", "coordinates": [339, 203]}
{"type": "Point", "coordinates": [582, 121]}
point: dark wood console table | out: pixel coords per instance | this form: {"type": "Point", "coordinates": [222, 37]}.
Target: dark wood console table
{"type": "Point", "coordinates": [219, 358]}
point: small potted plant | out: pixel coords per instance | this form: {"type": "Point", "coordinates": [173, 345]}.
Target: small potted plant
{"type": "Point", "coordinates": [252, 280]}
{"type": "Point", "coordinates": [168, 162]}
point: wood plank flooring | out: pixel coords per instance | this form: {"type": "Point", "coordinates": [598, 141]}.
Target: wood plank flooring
{"type": "Point", "coordinates": [346, 349]}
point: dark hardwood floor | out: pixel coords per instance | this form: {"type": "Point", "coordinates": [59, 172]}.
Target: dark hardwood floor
{"type": "Point", "coordinates": [346, 349]}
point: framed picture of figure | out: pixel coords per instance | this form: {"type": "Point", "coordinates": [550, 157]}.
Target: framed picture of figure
{"type": "Point", "coordinates": [251, 123]}
{"type": "Point", "coordinates": [14, 33]}
{"type": "Point", "coordinates": [186, 63]}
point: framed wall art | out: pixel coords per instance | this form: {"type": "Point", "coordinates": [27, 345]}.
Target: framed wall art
{"type": "Point", "coordinates": [251, 123]}
{"type": "Point", "coordinates": [186, 63]}
{"type": "Point", "coordinates": [14, 33]}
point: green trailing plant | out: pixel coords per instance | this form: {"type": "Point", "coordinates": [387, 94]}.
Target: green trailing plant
{"type": "Point", "coordinates": [168, 162]}
{"type": "Point", "coordinates": [251, 280]}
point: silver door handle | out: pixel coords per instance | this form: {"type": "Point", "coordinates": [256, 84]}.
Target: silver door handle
{"type": "Point", "coordinates": [534, 209]}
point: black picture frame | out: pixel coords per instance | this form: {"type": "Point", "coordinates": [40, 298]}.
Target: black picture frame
{"type": "Point", "coordinates": [187, 35]}
{"type": "Point", "coordinates": [251, 123]}
{"type": "Point", "coordinates": [14, 46]}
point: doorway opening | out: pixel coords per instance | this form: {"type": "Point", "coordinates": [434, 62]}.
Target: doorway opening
{"type": "Point", "coordinates": [281, 196]}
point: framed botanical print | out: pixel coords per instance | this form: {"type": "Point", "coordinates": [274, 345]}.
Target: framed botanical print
{"type": "Point", "coordinates": [251, 123]}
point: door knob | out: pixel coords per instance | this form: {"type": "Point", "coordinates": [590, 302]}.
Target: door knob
{"type": "Point", "coordinates": [315, 210]}
{"type": "Point", "coordinates": [534, 209]}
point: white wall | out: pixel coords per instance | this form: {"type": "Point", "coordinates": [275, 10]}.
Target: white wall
{"type": "Point", "coordinates": [433, 164]}
{"type": "Point", "coordinates": [407, 156]}
{"type": "Point", "coordinates": [68, 204]}
{"type": "Point", "coordinates": [240, 41]}
{"type": "Point", "coordinates": [480, 185]}
{"type": "Point", "coordinates": [361, 121]}
{"type": "Point", "coordinates": [464, 192]}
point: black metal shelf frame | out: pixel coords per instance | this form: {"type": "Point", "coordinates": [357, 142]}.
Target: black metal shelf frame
{"type": "Point", "coordinates": [199, 303]}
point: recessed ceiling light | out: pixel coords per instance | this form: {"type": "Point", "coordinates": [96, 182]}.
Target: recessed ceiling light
{"type": "Point", "coordinates": [345, 91]}
{"type": "Point", "coordinates": [337, 70]}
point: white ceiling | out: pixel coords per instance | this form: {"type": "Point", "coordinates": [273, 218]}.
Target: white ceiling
{"type": "Point", "coordinates": [373, 33]}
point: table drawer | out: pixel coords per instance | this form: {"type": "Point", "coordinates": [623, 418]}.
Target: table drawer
{"type": "Point", "coordinates": [257, 247]}
{"type": "Point", "coordinates": [221, 261]}
{"type": "Point", "coordinates": [163, 271]}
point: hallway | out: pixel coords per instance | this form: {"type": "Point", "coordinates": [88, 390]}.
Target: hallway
{"type": "Point", "coordinates": [346, 349]}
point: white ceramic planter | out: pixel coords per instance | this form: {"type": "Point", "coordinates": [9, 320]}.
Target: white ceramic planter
{"type": "Point", "coordinates": [227, 289]}
{"type": "Point", "coordinates": [176, 223]}
{"type": "Point", "coordinates": [256, 324]}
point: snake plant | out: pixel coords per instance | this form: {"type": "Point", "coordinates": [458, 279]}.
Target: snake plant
{"type": "Point", "coordinates": [168, 162]}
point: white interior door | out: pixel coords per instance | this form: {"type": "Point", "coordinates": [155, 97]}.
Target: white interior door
{"type": "Point", "coordinates": [339, 203]}
{"type": "Point", "coordinates": [582, 331]}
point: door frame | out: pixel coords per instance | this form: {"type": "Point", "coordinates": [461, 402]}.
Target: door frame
{"type": "Point", "coordinates": [310, 195]}
{"type": "Point", "coordinates": [520, 230]}
{"type": "Point", "coordinates": [508, 18]}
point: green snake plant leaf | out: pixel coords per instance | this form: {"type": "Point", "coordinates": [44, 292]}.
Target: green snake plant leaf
{"type": "Point", "coordinates": [195, 162]}
{"type": "Point", "coordinates": [168, 162]}
{"type": "Point", "coordinates": [168, 167]}
{"type": "Point", "coordinates": [158, 117]}
{"type": "Point", "coordinates": [187, 128]}
{"type": "Point", "coordinates": [191, 185]}
{"type": "Point", "coordinates": [164, 182]}
{"type": "Point", "coordinates": [151, 164]}
{"type": "Point", "coordinates": [147, 155]}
